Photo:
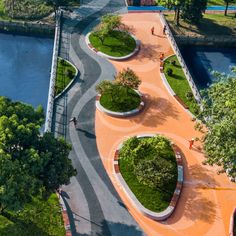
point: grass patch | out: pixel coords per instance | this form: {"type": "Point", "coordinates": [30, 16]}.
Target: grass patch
{"type": "Point", "coordinates": [117, 44]}
{"type": "Point", "coordinates": [38, 218]}
{"type": "Point", "coordinates": [211, 24]}
{"type": "Point", "coordinates": [179, 83]}
{"type": "Point", "coordinates": [65, 73]}
{"type": "Point", "coordinates": [153, 198]}
{"type": "Point", "coordinates": [215, 3]}
{"type": "Point", "coordinates": [120, 99]}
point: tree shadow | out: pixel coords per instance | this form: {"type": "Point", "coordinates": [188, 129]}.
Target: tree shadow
{"type": "Point", "coordinates": [86, 133]}
{"type": "Point", "coordinates": [192, 203]}
{"type": "Point", "coordinates": [159, 109]}
{"type": "Point", "coordinates": [148, 51]}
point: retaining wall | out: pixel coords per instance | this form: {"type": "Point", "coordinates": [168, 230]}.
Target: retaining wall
{"type": "Point", "coordinates": [27, 28]}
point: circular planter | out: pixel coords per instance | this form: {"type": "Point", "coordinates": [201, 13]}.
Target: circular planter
{"type": "Point", "coordinates": [158, 216]}
{"type": "Point", "coordinates": [112, 57]}
{"type": "Point", "coordinates": [120, 114]}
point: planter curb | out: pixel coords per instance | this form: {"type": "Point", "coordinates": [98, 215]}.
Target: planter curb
{"type": "Point", "coordinates": [158, 216]}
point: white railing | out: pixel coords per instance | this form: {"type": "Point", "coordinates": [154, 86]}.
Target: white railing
{"type": "Point", "coordinates": [181, 59]}
{"type": "Point", "coordinates": [51, 90]}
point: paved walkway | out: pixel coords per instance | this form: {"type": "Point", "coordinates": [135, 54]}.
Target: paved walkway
{"type": "Point", "coordinates": [94, 206]}
{"type": "Point", "coordinates": [208, 199]}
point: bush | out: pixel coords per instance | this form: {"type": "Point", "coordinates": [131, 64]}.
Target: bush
{"type": "Point", "coordinates": [70, 74]}
{"type": "Point", "coordinates": [103, 86]}
{"type": "Point", "coordinates": [173, 62]}
{"type": "Point", "coordinates": [189, 95]}
{"type": "Point", "coordinates": [169, 72]}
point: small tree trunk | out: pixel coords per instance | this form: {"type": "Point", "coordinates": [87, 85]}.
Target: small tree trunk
{"type": "Point", "coordinates": [177, 17]}
{"type": "Point", "coordinates": [226, 8]}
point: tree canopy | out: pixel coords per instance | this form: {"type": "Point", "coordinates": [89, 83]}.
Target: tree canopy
{"type": "Point", "coordinates": [30, 163]}
{"type": "Point", "coordinates": [219, 112]}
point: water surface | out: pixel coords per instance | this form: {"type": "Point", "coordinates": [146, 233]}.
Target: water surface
{"type": "Point", "coordinates": [25, 64]}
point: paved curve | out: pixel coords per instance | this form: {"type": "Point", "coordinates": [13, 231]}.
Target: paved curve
{"type": "Point", "coordinates": [94, 206]}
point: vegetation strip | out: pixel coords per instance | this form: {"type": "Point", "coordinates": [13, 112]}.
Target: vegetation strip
{"type": "Point", "coordinates": [153, 215]}
{"type": "Point", "coordinates": [66, 73]}
{"type": "Point", "coordinates": [178, 82]}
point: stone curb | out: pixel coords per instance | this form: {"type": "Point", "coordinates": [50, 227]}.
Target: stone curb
{"type": "Point", "coordinates": [171, 91]}
{"type": "Point", "coordinates": [120, 114]}
{"type": "Point", "coordinates": [136, 50]}
{"type": "Point", "coordinates": [68, 86]}
{"type": "Point", "coordinates": [232, 222]}
{"type": "Point", "coordinates": [158, 216]}
{"type": "Point", "coordinates": [65, 216]}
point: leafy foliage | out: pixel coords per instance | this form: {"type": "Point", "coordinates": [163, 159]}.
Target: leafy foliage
{"type": "Point", "coordinates": [152, 159]}
{"type": "Point", "coordinates": [128, 78]}
{"type": "Point", "coordinates": [30, 163]}
{"type": "Point", "coordinates": [219, 110]}
{"type": "Point", "coordinates": [103, 86]}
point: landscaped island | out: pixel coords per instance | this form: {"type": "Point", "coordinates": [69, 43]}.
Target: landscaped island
{"type": "Point", "coordinates": [121, 95]}
{"type": "Point", "coordinates": [112, 38]}
{"type": "Point", "coordinates": [148, 165]}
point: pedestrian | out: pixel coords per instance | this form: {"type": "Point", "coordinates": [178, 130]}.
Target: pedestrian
{"type": "Point", "coordinates": [74, 120]}
{"type": "Point", "coordinates": [162, 56]}
{"type": "Point", "coordinates": [152, 30]}
{"type": "Point", "coordinates": [191, 142]}
{"type": "Point", "coordinates": [164, 29]}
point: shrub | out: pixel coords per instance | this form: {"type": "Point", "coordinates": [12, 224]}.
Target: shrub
{"type": "Point", "coordinates": [103, 86]}
{"type": "Point", "coordinates": [173, 62]}
{"type": "Point", "coordinates": [169, 72]}
{"type": "Point", "coordinates": [70, 74]}
{"type": "Point", "coordinates": [189, 95]}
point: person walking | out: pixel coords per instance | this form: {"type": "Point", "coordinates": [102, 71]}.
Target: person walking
{"type": "Point", "coordinates": [74, 120]}
{"type": "Point", "coordinates": [152, 30]}
{"type": "Point", "coordinates": [164, 29]}
{"type": "Point", "coordinates": [191, 142]}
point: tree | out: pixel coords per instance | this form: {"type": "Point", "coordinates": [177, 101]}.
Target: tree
{"type": "Point", "coordinates": [30, 163]}
{"type": "Point", "coordinates": [219, 109]}
{"type": "Point", "coordinates": [108, 24]}
{"type": "Point", "coordinates": [156, 173]}
{"type": "Point", "coordinates": [227, 2]}
{"type": "Point", "coordinates": [128, 78]}
{"type": "Point", "coordinates": [192, 10]}
{"type": "Point", "coordinates": [56, 4]}
{"type": "Point", "coordinates": [103, 86]}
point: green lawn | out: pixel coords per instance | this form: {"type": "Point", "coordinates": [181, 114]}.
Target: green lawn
{"type": "Point", "coordinates": [216, 3]}
{"type": "Point", "coordinates": [179, 83]}
{"type": "Point", "coordinates": [65, 73]}
{"type": "Point", "coordinates": [211, 24]}
{"type": "Point", "coordinates": [154, 199]}
{"type": "Point", "coordinates": [120, 99]}
{"type": "Point", "coordinates": [117, 44]}
{"type": "Point", "coordinates": [40, 218]}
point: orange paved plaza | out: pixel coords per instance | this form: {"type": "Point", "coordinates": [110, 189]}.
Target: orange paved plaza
{"type": "Point", "coordinates": [207, 199]}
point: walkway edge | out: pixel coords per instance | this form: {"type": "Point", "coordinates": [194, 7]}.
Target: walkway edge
{"type": "Point", "coordinates": [158, 216]}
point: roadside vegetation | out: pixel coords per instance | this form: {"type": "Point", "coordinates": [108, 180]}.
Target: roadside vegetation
{"type": "Point", "coordinates": [33, 166]}
{"type": "Point", "coordinates": [210, 24]}
{"type": "Point", "coordinates": [149, 167]}
{"type": "Point", "coordinates": [39, 218]}
{"type": "Point", "coordinates": [119, 95]}
{"type": "Point", "coordinates": [178, 82]}
{"type": "Point", "coordinates": [219, 106]}
{"type": "Point", "coordinates": [65, 73]}
{"type": "Point", "coordinates": [112, 38]}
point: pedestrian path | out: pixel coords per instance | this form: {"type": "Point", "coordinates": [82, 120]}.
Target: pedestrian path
{"type": "Point", "coordinates": [94, 207]}
{"type": "Point", "coordinates": [208, 199]}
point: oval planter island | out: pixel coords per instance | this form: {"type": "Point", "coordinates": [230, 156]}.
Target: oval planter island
{"type": "Point", "coordinates": [101, 51]}
{"type": "Point", "coordinates": [125, 173]}
{"type": "Point", "coordinates": [120, 114]}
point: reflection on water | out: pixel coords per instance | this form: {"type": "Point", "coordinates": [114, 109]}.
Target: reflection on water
{"type": "Point", "coordinates": [25, 64]}
{"type": "Point", "coordinates": [201, 61]}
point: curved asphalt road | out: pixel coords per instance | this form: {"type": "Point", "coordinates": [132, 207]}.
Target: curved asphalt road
{"type": "Point", "coordinates": [94, 206]}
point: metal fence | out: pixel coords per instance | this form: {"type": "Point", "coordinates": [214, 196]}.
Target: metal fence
{"type": "Point", "coordinates": [51, 92]}
{"type": "Point", "coordinates": [180, 58]}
